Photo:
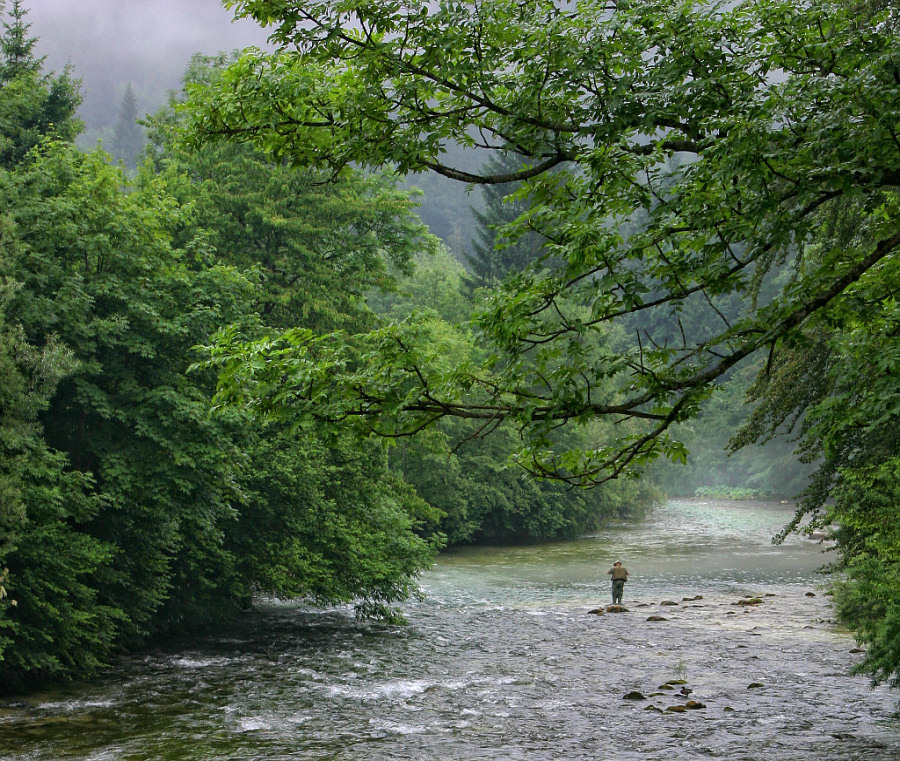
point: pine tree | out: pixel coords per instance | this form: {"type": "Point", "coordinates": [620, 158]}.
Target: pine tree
{"type": "Point", "coordinates": [128, 139]}
{"type": "Point", "coordinates": [16, 46]}
{"type": "Point", "coordinates": [33, 105]}
{"type": "Point", "coordinates": [493, 256]}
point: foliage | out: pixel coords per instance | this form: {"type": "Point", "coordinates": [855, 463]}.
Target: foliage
{"type": "Point", "coordinates": [836, 387]}
{"type": "Point", "coordinates": [97, 271]}
{"type": "Point", "coordinates": [329, 524]}
{"type": "Point", "coordinates": [483, 495]}
{"type": "Point", "coordinates": [492, 257]}
{"type": "Point", "coordinates": [319, 248]}
{"type": "Point", "coordinates": [51, 622]}
{"type": "Point", "coordinates": [32, 105]}
{"type": "Point", "coordinates": [322, 519]}
{"type": "Point", "coordinates": [867, 597]}
{"type": "Point", "coordinates": [778, 110]}
{"type": "Point", "coordinates": [16, 46]}
{"type": "Point", "coordinates": [126, 510]}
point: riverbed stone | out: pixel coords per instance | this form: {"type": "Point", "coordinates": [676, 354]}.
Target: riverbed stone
{"type": "Point", "coordinates": [810, 594]}
{"type": "Point", "coordinates": [596, 612]}
{"type": "Point", "coordinates": [676, 709]}
{"type": "Point", "coordinates": [692, 599]}
{"type": "Point", "coordinates": [665, 687]}
{"type": "Point", "coordinates": [657, 618]}
{"type": "Point", "coordinates": [668, 602]}
{"type": "Point", "coordinates": [634, 695]}
{"type": "Point", "coordinates": [653, 708]}
{"type": "Point", "coordinates": [749, 601]}
{"type": "Point", "coordinates": [754, 685]}
{"type": "Point", "coordinates": [616, 609]}
{"type": "Point", "coordinates": [694, 705]}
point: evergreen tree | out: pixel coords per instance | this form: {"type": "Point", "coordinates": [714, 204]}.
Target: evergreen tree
{"type": "Point", "coordinates": [16, 47]}
{"type": "Point", "coordinates": [128, 138]}
{"type": "Point", "coordinates": [493, 254]}
{"type": "Point", "coordinates": [33, 105]}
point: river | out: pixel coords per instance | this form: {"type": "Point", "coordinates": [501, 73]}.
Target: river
{"type": "Point", "coordinates": [501, 659]}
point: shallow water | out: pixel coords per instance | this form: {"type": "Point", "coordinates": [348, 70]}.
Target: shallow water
{"type": "Point", "coordinates": [501, 660]}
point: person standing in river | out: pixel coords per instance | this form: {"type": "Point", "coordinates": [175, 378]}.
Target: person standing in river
{"type": "Point", "coordinates": [619, 575]}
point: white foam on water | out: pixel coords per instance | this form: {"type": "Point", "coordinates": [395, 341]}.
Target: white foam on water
{"type": "Point", "coordinates": [69, 706]}
{"type": "Point", "coordinates": [269, 722]}
{"type": "Point", "coordinates": [198, 663]}
{"type": "Point", "coordinates": [400, 729]}
{"type": "Point", "coordinates": [253, 724]}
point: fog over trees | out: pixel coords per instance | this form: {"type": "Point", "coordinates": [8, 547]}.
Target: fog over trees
{"type": "Point", "coordinates": [110, 43]}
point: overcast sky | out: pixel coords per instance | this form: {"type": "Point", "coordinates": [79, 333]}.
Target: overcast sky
{"type": "Point", "coordinates": [146, 42]}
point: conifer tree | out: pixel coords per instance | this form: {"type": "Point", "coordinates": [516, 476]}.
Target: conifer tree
{"type": "Point", "coordinates": [16, 46]}
{"type": "Point", "coordinates": [493, 255]}
{"type": "Point", "coordinates": [33, 105]}
{"type": "Point", "coordinates": [128, 139]}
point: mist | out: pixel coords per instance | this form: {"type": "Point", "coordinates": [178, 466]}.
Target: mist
{"type": "Point", "coordinates": [109, 43]}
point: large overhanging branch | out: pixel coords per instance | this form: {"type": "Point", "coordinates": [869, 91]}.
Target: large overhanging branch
{"type": "Point", "coordinates": [772, 150]}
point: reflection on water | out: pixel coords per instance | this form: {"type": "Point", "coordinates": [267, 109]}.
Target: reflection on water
{"type": "Point", "coordinates": [502, 660]}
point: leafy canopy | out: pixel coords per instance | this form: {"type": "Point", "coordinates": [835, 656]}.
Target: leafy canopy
{"type": "Point", "coordinates": [692, 148]}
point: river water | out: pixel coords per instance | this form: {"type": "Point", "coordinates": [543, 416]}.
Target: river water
{"type": "Point", "coordinates": [503, 660]}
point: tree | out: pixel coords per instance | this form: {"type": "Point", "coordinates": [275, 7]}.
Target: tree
{"type": "Point", "coordinates": [97, 271]}
{"type": "Point", "coordinates": [491, 257]}
{"type": "Point", "coordinates": [32, 105]}
{"type": "Point", "coordinates": [51, 620]}
{"type": "Point", "coordinates": [482, 495]}
{"type": "Point", "coordinates": [836, 388]}
{"type": "Point", "coordinates": [319, 248]}
{"type": "Point", "coordinates": [779, 109]}
{"type": "Point", "coordinates": [16, 47]}
{"type": "Point", "coordinates": [128, 138]}
{"type": "Point", "coordinates": [126, 511]}
{"type": "Point", "coordinates": [323, 518]}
